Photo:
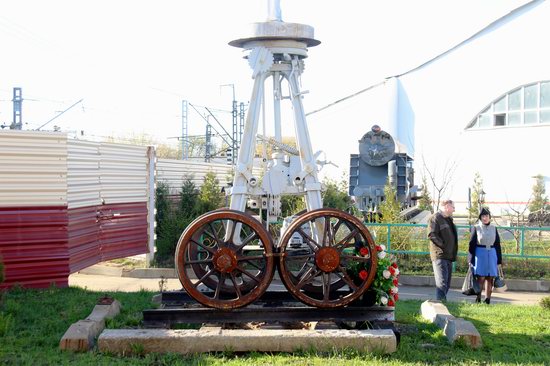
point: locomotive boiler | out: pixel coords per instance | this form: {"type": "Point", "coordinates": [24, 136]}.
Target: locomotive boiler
{"type": "Point", "coordinates": [380, 160]}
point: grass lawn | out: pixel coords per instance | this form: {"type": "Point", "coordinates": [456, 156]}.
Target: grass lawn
{"type": "Point", "coordinates": [33, 321]}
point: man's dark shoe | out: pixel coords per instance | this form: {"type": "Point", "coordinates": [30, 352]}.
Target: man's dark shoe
{"type": "Point", "coordinates": [478, 298]}
{"type": "Point", "coordinates": [488, 300]}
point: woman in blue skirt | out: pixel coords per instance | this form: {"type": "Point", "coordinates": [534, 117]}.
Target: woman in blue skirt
{"type": "Point", "coordinates": [485, 253]}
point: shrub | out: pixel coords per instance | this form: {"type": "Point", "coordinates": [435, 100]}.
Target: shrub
{"type": "Point", "coordinates": [545, 302]}
{"type": "Point", "coordinates": [173, 218]}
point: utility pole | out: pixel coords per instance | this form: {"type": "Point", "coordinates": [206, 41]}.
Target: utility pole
{"type": "Point", "coordinates": [184, 131]}
{"type": "Point", "coordinates": [208, 142]}
{"type": "Point", "coordinates": [17, 100]}
{"type": "Point", "coordinates": [235, 131]}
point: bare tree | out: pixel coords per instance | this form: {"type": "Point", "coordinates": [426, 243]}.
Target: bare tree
{"type": "Point", "coordinates": [440, 179]}
{"type": "Point", "coordinates": [516, 214]}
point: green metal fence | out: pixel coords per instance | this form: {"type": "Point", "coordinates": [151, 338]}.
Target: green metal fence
{"type": "Point", "coordinates": [516, 242]}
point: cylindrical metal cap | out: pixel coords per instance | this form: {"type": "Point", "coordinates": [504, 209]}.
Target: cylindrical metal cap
{"type": "Point", "coordinates": [278, 31]}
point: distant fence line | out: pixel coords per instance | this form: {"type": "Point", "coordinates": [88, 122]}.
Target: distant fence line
{"type": "Point", "coordinates": [516, 242]}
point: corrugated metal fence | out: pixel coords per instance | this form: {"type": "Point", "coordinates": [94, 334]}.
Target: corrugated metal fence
{"type": "Point", "coordinates": [68, 204]}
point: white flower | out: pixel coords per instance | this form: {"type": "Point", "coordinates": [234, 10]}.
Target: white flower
{"type": "Point", "coordinates": [394, 290]}
{"type": "Point", "coordinates": [381, 255]}
{"type": "Point", "coordinates": [397, 272]}
{"type": "Point", "coordinates": [383, 300]}
{"type": "Point", "coordinates": [386, 274]}
{"type": "Point", "coordinates": [383, 247]}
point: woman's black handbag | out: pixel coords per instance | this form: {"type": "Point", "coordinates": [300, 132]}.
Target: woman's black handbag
{"type": "Point", "coordinates": [470, 286]}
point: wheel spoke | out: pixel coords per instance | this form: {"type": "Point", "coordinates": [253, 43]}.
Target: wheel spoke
{"type": "Point", "coordinates": [221, 280]}
{"type": "Point", "coordinates": [213, 234]}
{"type": "Point", "coordinates": [355, 258]}
{"type": "Point", "coordinates": [348, 237]}
{"type": "Point", "coordinates": [203, 278]}
{"type": "Point", "coordinates": [235, 285]}
{"type": "Point", "coordinates": [326, 286]}
{"type": "Point", "coordinates": [347, 278]}
{"type": "Point", "coordinates": [247, 240]}
{"type": "Point", "coordinates": [308, 239]}
{"type": "Point", "coordinates": [337, 226]}
{"type": "Point", "coordinates": [199, 261]}
{"type": "Point", "coordinates": [205, 247]}
{"type": "Point", "coordinates": [308, 276]}
{"type": "Point", "coordinates": [245, 272]}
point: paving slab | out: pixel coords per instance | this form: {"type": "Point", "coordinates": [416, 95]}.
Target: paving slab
{"type": "Point", "coordinates": [187, 341]}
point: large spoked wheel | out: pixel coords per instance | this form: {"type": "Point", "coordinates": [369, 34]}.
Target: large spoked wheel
{"type": "Point", "coordinates": [230, 253]}
{"type": "Point", "coordinates": [337, 266]}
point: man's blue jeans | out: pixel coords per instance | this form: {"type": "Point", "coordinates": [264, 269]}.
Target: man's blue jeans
{"type": "Point", "coordinates": [442, 272]}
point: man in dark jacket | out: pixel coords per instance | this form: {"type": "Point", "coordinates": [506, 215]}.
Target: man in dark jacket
{"type": "Point", "coordinates": [443, 247]}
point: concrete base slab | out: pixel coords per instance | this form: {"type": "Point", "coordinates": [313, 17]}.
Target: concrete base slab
{"type": "Point", "coordinates": [214, 339]}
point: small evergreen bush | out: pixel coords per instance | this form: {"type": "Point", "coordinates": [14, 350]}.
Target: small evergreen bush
{"type": "Point", "coordinates": [545, 302]}
{"type": "Point", "coordinates": [174, 215]}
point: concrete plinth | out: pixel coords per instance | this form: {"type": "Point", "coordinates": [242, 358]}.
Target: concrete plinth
{"type": "Point", "coordinates": [185, 341]}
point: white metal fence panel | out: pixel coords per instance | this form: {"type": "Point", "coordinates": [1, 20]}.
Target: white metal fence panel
{"type": "Point", "coordinates": [123, 173]}
{"type": "Point", "coordinates": [174, 172]}
{"type": "Point", "coordinates": [83, 182]}
{"type": "Point", "coordinates": [33, 168]}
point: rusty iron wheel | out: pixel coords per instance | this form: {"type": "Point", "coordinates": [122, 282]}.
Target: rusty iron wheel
{"type": "Point", "coordinates": [319, 274]}
{"type": "Point", "coordinates": [228, 252]}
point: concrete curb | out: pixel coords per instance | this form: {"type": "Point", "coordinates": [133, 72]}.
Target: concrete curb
{"type": "Point", "coordinates": [81, 335]}
{"type": "Point", "coordinates": [513, 284]}
{"type": "Point", "coordinates": [424, 281]}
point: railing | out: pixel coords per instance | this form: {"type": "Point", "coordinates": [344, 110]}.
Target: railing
{"type": "Point", "coordinates": [518, 242]}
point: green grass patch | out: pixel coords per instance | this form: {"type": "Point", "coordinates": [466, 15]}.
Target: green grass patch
{"type": "Point", "coordinates": [33, 321]}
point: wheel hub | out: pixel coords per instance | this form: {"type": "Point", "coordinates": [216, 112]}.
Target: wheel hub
{"type": "Point", "coordinates": [225, 260]}
{"type": "Point", "coordinates": [327, 259]}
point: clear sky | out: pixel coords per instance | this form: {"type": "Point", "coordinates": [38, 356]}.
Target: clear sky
{"type": "Point", "coordinates": [134, 61]}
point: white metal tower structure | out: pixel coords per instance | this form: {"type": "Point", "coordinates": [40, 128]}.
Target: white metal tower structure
{"type": "Point", "coordinates": [277, 50]}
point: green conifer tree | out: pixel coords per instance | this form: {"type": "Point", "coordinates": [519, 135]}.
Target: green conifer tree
{"type": "Point", "coordinates": [425, 202]}
{"type": "Point", "coordinates": [390, 208]}
{"type": "Point", "coordinates": [477, 199]}
{"type": "Point", "coordinates": [210, 196]}
{"type": "Point", "coordinates": [540, 199]}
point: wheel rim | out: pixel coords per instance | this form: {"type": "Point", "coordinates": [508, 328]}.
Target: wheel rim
{"type": "Point", "coordinates": [229, 252]}
{"type": "Point", "coordinates": [334, 245]}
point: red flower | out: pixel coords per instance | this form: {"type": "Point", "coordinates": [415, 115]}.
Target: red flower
{"type": "Point", "coordinates": [394, 265]}
{"type": "Point", "coordinates": [392, 270]}
{"type": "Point", "coordinates": [391, 303]}
{"type": "Point", "coordinates": [363, 274]}
{"type": "Point", "coordinates": [396, 297]}
{"type": "Point", "coordinates": [364, 251]}
{"type": "Point", "coordinates": [395, 282]}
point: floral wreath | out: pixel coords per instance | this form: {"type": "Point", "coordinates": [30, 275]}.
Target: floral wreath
{"type": "Point", "coordinates": [386, 280]}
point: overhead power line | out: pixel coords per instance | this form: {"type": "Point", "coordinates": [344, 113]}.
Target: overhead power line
{"type": "Point", "coordinates": [38, 129]}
